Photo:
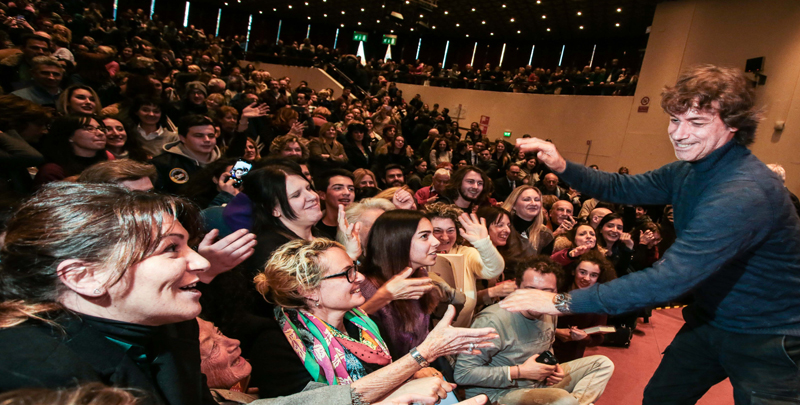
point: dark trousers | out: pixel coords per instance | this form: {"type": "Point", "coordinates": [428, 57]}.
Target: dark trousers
{"type": "Point", "coordinates": [763, 369]}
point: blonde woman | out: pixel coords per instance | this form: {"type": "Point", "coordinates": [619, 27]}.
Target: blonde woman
{"type": "Point", "coordinates": [527, 216]}
{"type": "Point", "coordinates": [314, 285]}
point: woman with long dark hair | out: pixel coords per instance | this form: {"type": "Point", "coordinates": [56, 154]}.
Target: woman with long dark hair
{"type": "Point", "coordinates": [358, 147]}
{"type": "Point", "coordinates": [119, 144]}
{"type": "Point", "coordinates": [571, 339]}
{"type": "Point", "coordinates": [616, 244]}
{"type": "Point", "coordinates": [401, 245]}
{"type": "Point", "coordinates": [74, 143]}
{"type": "Point", "coordinates": [511, 246]}
{"type": "Point", "coordinates": [78, 99]}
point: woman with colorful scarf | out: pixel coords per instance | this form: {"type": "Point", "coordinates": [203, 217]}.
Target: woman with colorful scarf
{"type": "Point", "coordinates": [315, 287]}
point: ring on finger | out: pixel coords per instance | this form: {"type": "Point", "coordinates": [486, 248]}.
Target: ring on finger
{"type": "Point", "coordinates": [471, 347]}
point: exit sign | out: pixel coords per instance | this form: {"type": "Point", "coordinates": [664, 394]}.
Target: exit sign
{"type": "Point", "coordinates": [360, 36]}
{"type": "Point", "coordinates": [390, 39]}
{"type": "Point", "coordinates": [506, 133]}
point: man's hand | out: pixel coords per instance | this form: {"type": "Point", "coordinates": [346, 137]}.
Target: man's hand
{"type": "Point", "coordinates": [531, 370]}
{"type": "Point", "coordinates": [530, 300]}
{"type": "Point", "coordinates": [546, 152]}
{"type": "Point", "coordinates": [557, 376]}
{"type": "Point", "coordinates": [225, 253]}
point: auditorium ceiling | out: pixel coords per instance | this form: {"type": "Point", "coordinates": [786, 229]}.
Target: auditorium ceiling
{"type": "Point", "coordinates": [507, 20]}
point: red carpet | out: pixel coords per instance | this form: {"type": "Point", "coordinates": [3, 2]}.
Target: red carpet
{"type": "Point", "coordinates": [635, 365]}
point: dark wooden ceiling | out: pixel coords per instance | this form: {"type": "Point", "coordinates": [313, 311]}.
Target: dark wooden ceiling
{"type": "Point", "coordinates": [533, 20]}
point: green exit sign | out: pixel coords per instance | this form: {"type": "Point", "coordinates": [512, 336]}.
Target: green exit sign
{"type": "Point", "coordinates": [390, 39]}
{"type": "Point", "coordinates": [360, 36]}
{"type": "Point", "coordinates": [506, 133]}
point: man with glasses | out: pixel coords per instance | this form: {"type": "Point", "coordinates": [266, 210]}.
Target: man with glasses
{"type": "Point", "coordinates": [196, 148]}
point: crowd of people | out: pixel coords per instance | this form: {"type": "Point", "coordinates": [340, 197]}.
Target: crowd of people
{"type": "Point", "coordinates": [183, 224]}
{"type": "Point", "coordinates": [375, 73]}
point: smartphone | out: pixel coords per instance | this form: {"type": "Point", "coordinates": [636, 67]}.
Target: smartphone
{"type": "Point", "coordinates": [238, 171]}
{"type": "Point", "coordinates": [547, 358]}
{"type": "Point", "coordinates": [20, 18]}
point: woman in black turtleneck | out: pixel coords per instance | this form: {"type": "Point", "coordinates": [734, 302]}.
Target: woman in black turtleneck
{"type": "Point", "coordinates": [97, 284]}
{"type": "Point", "coordinates": [525, 205]}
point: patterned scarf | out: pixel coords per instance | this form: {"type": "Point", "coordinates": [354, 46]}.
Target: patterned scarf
{"type": "Point", "coordinates": [329, 355]}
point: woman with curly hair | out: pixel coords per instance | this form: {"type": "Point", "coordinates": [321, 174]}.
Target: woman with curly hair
{"type": "Point", "coordinates": [289, 146]}
{"type": "Point", "coordinates": [482, 261]}
{"type": "Point", "coordinates": [571, 339]}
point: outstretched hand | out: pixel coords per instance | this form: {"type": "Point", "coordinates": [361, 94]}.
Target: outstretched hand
{"type": "Point", "coordinates": [546, 152]}
{"type": "Point", "coordinates": [446, 340]}
{"type": "Point", "coordinates": [530, 300]}
{"type": "Point", "coordinates": [401, 287]}
{"type": "Point", "coordinates": [472, 228]}
{"type": "Point", "coordinates": [255, 110]}
{"type": "Point", "coordinates": [225, 253]}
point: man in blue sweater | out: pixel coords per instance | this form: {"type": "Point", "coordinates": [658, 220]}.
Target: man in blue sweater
{"type": "Point", "coordinates": [737, 249]}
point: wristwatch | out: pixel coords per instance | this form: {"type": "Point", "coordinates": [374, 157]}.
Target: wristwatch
{"type": "Point", "coordinates": [562, 302]}
{"type": "Point", "coordinates": [418, 357]}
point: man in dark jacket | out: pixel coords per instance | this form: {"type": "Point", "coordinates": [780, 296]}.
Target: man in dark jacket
{"type": "Point", "coordinates": [196, 149]}
{"type": "Point", "coordinates": [737, 249]}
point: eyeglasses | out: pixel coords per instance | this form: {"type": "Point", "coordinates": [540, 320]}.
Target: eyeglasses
{"type": "Point", "coordinates": [350, 273]}
{"type": "Point", "coordinates": [91, 128]}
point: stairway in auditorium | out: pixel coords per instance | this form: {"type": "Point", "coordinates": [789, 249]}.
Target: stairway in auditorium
{"type": "Point", "coordinates": [635, 365]}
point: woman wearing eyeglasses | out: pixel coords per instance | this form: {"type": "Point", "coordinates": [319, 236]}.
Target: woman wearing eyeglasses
{"type": "Point", "coordinates": [74, 143]}
{"type": "Point", "coordinates": [316, 289]}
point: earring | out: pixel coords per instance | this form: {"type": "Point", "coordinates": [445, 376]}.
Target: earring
{"type": "Point", "coordinates": [96, 291]}
{"type": "Point", "coordinates": [316, 303]}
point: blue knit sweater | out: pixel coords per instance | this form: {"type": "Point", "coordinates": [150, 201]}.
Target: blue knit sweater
{"type": "Point", "coordinates": [737, 246]}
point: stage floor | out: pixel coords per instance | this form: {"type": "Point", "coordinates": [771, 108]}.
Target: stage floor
{"type": "Point", "coordinates": [635, 365]}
